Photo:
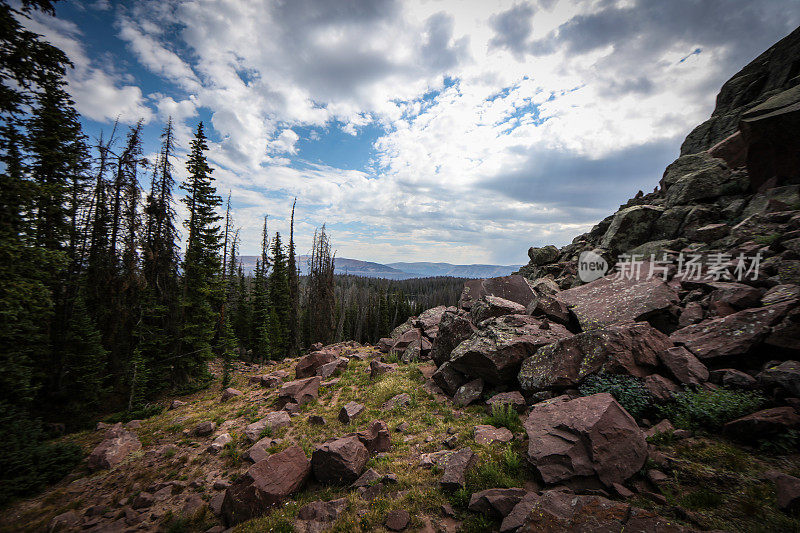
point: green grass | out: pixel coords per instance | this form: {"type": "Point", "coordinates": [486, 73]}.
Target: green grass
{"type": "Point", "coordinates": [504, 415]}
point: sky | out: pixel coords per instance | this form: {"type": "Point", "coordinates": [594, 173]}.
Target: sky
{"type": "Point", "coordinates": [417, 130]}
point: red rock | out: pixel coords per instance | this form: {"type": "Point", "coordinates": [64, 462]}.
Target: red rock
{"type": "Point", "coordinates": [265, 484]}
{"type": "Point", "coordinates": [519, 513]}
{"type": "Point", "coordinates": [334, 367]}
{"type": "Point", "coordinates": [732, 378]}
{"type": "Point", "coordinates": [385, 344]}
{"type": "Point", "coordinates": [229, 393]}
{"type": "Point", "coordinates": [763, 423]}
{"type": "Point", "coordinates": [322, 512]}
{"type": "Point", "coordinates": [737, 295]}
{"type": "Point", "coordinates": [468, 393]}
{"type": "Point", "coordinates": [787, 492]}
{"type": "Point", "coordinates": [691, 314]}
{"type": "Point", "coordinates": [64, 521]}
{"type": "Point", "coordinates": [454, 328]}
{"type": "Point", "coordinates": [493, 306]}
{"type": "Point", "coordinates": [456, 465]}
{"type": "Point", "coordinates": [429, 319]}
{"type": "Point", "coordinates": [786, 334]}
{"type": "Point", "coordinates": [116, 445]}
{"type": "Point", "coordinates": [376, 437]}
{"type": "Point", "coordinates": [622, 349]}
{"type": "Point", "coordinates": [405, 339]}
{"type": "Point", "coordinates": [274, 421]}
{"type": "Point", "coordinates": [551, 307]}
{"type": "Point", "coordinates": [496, 351]}
{"type": "Point", "coordinates": [486, 434]}
{"type": "Point", "coordinates": [609, 301]}
{"type": "Point", "coordinates": [204, 429]}
{"type": "Point", "coordinates": [376, 368]}
{"type": "Point", "coordinates": [448, 378]}
{"type": "Point", "coordinates": [514, 399]}
{"type": "Point", "coordinates": [660, 388]}
{"type": "Point", "coordinates": [584, 437]}
{"type": "Point", "coordinates": [307, 366]}
{"type": "Point", "coordinates": [397, 520]}
{"type": "Point", "coordinates": [785, 375]}
{"type": "Point", "coordinates": [684, 366]}
{"type": "Point", "coordinates": [496, 502]}
{"type": "Point", "coordinates": [732, 150]}
{"type": "Point", "coordinates": [515, 288]}
{"type": "Point", "coordinates": [300, 391]}
{"type": "Point", "coordinates": [732, 335]}
{"type": "Point", "coordinates": [665, 426]}
{"type": "Point", "coordinates": [270, 381]}
{"type": "Point", "coordinates": [349, 411]}
{"type": "Point", "coordinates": [339, 461]}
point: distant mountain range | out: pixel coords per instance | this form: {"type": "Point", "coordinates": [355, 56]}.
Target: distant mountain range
{"type": "Point", "coordinates": [369, 269]}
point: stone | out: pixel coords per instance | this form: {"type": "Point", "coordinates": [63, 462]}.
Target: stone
{"type": "Point", "coordinates": [350, 411]}
{"type": "Point", "coordinates": [203, 429]}
{"type": "Point", "coordinates": [367, 478]}
{"type": "Point", "coordinates": [787, 492]}
{"type": "Point", "coordinates": [550, 307]}
{"type": "Point", "coordinates": [333, 368]}
{"type": "Point", "coordinates": [316, 420]}
{"type": "Point", "coordinates": [732, 378]}
{"type": "Point", "coordinates": [117, 444]}
{"type": "Point", "coordinates": [737, 295]}
{"type": "Point", "coordinates": [64, 521]}
{"type": "Point", "coordinates": [300, 391]}
{"type": "Point", "coordinates": [229, 393]}
{"type": "Point", "coordinates": [613, 300]}
{"type": "Point", "coordinates": [321, 511]}
{"type": "Point", "coordinates": [430, 318]}
{"type": "Point", "coordinates": [215, 503]}
{"type": "Point", "coordinates": [660, 388]}
{"type": "Point", "coordinates": [786, 334]}
{"type": "Point", "coordinates": [706, 184]}
{"type": "Point", "coordinates": [630, 227]}
{"type": "Point", "coordinates": [686, 164]}
{"type": "Point", "coordinates": [544, 255]}
{"type": "Point", "coordinates": [780, 294]}
{"type": "Point", "coordinates": [401, 400]}
{"type": "Point", "coordinates": [448, 378]}
{"type": "Point", "coordinates": [631, 349]}
{"type": "Point", "coordinates": [376, 368]}
{"type": "Point", "coordinates": [143, 500]}
{"type": "Point", "coordinates": [385, 344]}
{"type": "Point", "coordinates": [219, 443]}
{"type": "Point", "coordinates": [258, 451]}
{"type": "Point", "coordinates": [732, 150]}
{"type": "Point", "coordinates": [496, 502]}
{"type": "Point", "coordinates": [585, 437]}
{"type": "Point", "coordinates": [339, 461]}
{"type": "Point", "coordinates": [486, 434]}
{"type": "Point", "coordinates": [270, 381]}
{"type": "Point", "coordinates": [293, 409]}
{"type": "Point", "coordinates": [454, 328]}
{"type": "Point", "coordinates": [515, 288]}
{"type": "Point", "coordinates": [665, 426]}
{"type": "Point", "coordinates": [763, 423]}
{"type": "Point", "coordinates": [307, 365]}
{"type": "Point", "coordinates": [376, 438]}
{"type": "Point", "coordinates": [493, 306]}
{"type": "Point", "coordinates": [406, 339]}
{"type": "Point", "coordinates": [729, 336]}
{"type": "Point", "coordinates": [496, 351]}
{"type": "Point", "coordinates": [785, 375]}
{"type": "Point", "coordinates": [691, 314]}
{"type": "Point", "coordinates": [519, 513]}
{"type": "Point", "coordinates": [397, 520]}
{"type": "Point", "coordinates": [514, 399]}
{"type": "Point", "coordinates": [468, 393]}
{"type": "Point", "coordinates": [274, 421]}
{"type": "Point", "coordinates": [456, 465]}
{"type": "Point", "coordinates": [684, 366]}
{"type": "Point", "coordinates": [265, 485]}
{"type": "Point", "coordinates": [175, 404]}
{"type": "Point", "coordinates": [192, 505]}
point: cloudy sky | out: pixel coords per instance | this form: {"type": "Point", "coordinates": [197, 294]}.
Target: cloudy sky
{"type": "Point", "coordinates": [432, 130]}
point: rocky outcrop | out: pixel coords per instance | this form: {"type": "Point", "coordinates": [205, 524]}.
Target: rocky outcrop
{"type": "Point", "coordinates": [117, 444]}
{"type": "Point", "coordinates": [589, 437]}
{"type": "Point", "coordinates": [339, 461]}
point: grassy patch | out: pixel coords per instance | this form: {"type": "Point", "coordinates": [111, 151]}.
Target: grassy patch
{"type": "Point", "coordinates": [504, 415]}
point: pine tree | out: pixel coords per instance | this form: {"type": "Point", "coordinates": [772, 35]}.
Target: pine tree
{"type": "Point", "coordinates": [202, 262]}
{"type": "Point", "coordinates": [279, 302]}
{"type": "Point", "coordinates": [294, 292]}
{"type": "Point", "coordinates": [321, 299]}
{"type": "Point", "coordinates": [260, 303]}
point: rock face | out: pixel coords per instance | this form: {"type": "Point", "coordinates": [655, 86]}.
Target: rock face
{"type": "Point", "coordinates": [495, 502]}
{"type": "Point", "coordinates": [493, 306]}
{"type": "Point", "coordinates": [684, 366]}
{"type": "Point", "coordinates": [630, 227]}
{"type": "Point", "coordinates": [785, 375]}
{"type": "Point", "coordinates": [613, 300]}
{"type": "Point", "coordinates": [496, 351]}
{"type": "Point", "coordinates": [770, 72]}
{"type": "Point", "coordinates": [340, 461]}
{"type": "Point", "coordinates": [514, 288]}
{"type": "Point", "coordinates": [266, 484]}
{"type": "Point", "coordinates": [592, 436]}
{"type": "Point", "coordinates": [626, 349]}
{"type": "Point", "coordinates": [454, 328]}
{"type": "Point", "coordinates": [117, 444]}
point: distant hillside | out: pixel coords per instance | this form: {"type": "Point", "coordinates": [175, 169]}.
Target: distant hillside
{"type": "Point", "coordinates": [369, 269]}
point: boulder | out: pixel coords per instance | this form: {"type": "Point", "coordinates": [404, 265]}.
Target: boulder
{"type": "Point", "coordinates": [544, 255]}
{"type": "Point", "coordinates": [631, 349]}
{"type": "Point", "coordinates": [397, 520]}
{"type": "Point", "coordinates": [550, 307]}
{"type": "Point", "coordinates": [660, 388]}
{"type": "Point", "coordinates": [376, 438]}
{"type": "Point", "coordinates": [454, 328]}
{"type": "Point", "coordinates": [339, 461]}
{"type": "Point", "coordinates": [780, 294]}
{"type": "Point", "coordinates": [687, 164]}
{"type": "Point", "coordinates": [300, 391]}
{"type": "Point", "coordinates": [514, 399]}
{"type": "Point", "coordinates": [229, 393]}
{"type": "Point", "coordinates": [732, 150]}
{"type": "Point", "coordinates": [219, 443]}
{"type": "Point", "coordinates": [349, 411]}
{"type": "Point", "coordinates": [630, 227]}
{"type": "Point", "coordinates": [456, 465]}
{"type": "Point", "coordinates": [787, 492]}
{"type": "Point", "coordinates": [665, 426]}
{"type": "Point", "coordinates": [64, 521]}
{"type": "Point", "coordinates": [448, 378]}
{"type": "Point", "coordinates": [519, 513]}
{"type": "Point", "coordinates": [515, 288]}
{"type": "Point", "coordinates": [732, 378]}
{"type": "Point", "coordinates": [366, 479]}
{"type": "Point", "coordinates": [404, 340]}
{"type": "Point", "coordinates": [731, 335]}
{"type": "Point", "coordinates": [691, 314]}
{"type": "Point", "coordinates": [265, 485]}
{"type": "Point", "coordinates": [684, 366]}
{"type": "Point", "coordinates": [706, 184]}
{"type": "Point", "coordinates": [590, 436]}
{"type": "Point", "coordinates": [377, 368]}
{"type": "Point", "coordinates": [468, 392]}
{"type": "Point", "coordinates": [385, 344]}
{"type": "Point", "coordinates": [496, 502]}
{"type": "Point", "coordinates": [401, 400]}
{"type": "Point", "coordinates": [785, 375]}
{"type": "Point", "coordinates": [117, 444]}
{"type": "Point", "coordinates": [334, 367]}
{"type": "Point", "coordinates": [736, 295]}
{"type": "Point", "coordinates": [486, 434]}
{"type": "Point", "coordinates": [270, 381]}
{"type": "Point", "coordinates": [786, 334]}
{"type": "Point", "coordinates": [274, 421]}
{"type": "Point", "coordinates": [203, 429]}
{"type": "Point", "coordinates": [307, 366]}
{"type": "Point", "coordinates": [258, 451]}
{"type": "Point", "coordinates": [496, 351]}
{"type": "Point", "coordinates": [430, 318]}
{"type": "Point", "coordinates": [763, 423]}
{"type": "Point", "coordinates": [709, 233]}
{"type": "Point", "coordinates": [493, 306]}
{"type": "Point", "coordinates": [615, 299]}
{"type": "Point", "coordinates": [317, 516]}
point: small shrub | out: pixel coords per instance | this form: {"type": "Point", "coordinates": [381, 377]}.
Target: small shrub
{"type": "Point", "coordinates": [767, 239]}
{"type": "Point", "coordinates": [391, 357]}
{"type": "Point", "coordinates": [629, 391]}
{"type": "Point", "coordinates": [511, 459]}
{"type": "Point", "coordinates": [701, 499]}
{"type": "Point", "coordinates": [664, 438]}
{"type": "Point", "coordinates": [783, 443]}
{"type": "Point", "coordinates": [477, 523]}
{"type": "Point", "coordinates": [504, 415]}
{"type": "Point", "coordinates": [710, 409]}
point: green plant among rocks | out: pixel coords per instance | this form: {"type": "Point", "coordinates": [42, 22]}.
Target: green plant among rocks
{"type": "Point", "coordinates": [710, 409]}
{"type": "Point", "coordinates": [629, 391]}
{"type": "Point", "coordinates": [504, 415]}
